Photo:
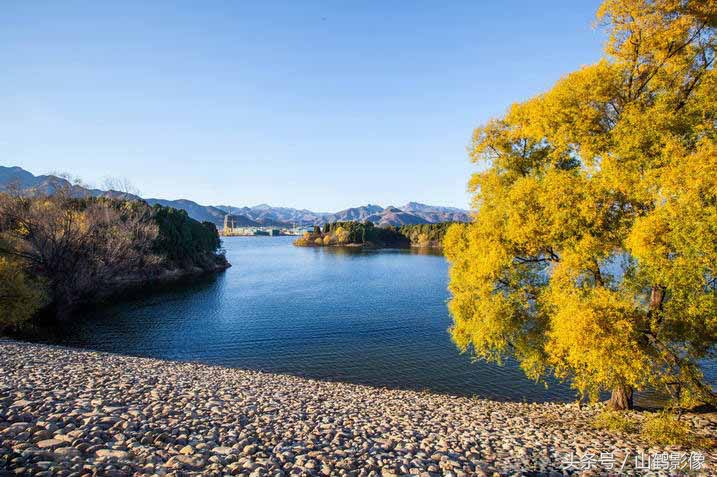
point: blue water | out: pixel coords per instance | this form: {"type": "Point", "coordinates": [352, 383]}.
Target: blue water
{"type": "Point", "coordinates": [372, 317]}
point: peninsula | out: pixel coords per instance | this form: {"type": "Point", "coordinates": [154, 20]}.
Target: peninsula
{"type": "Point", "coordinates": [366, 234]}
{"type": "Point", "coordinates": [60, 251]}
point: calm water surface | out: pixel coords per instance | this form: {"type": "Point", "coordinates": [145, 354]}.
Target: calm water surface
{"type": "Point", "coordinates": [372, 317]}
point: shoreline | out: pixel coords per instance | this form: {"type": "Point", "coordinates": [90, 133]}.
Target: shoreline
{"type": "Point", "coordinates": [138, 282]}
{"type": "Point", "coordinates": [70, 409]}
{"type": "Point", "coordinates": [371, 246]}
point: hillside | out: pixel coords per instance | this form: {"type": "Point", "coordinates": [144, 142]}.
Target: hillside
{"type": "Point", "coordinates": [58, 252]}
{"type": "Point", "coordinates": [258, 215]}
{"type": "Point", "coordinates": [273, 216]}
{"type": "Point", "coordinates": [17, 177]}
{"type": "Point", "coordinates": [358, 214]}
{"type": "Point", "coordinates": [47, 184]}
{"type": "Point", "coordinates": [411, 213]}
{"type": "Point", "coordinates": [394, 216]}
{"type": "Point", "coordinates": [203, 213]}
{"type": "Point", "coordinates": [435, 214]}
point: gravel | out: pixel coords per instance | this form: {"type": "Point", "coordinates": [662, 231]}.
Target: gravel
{"type": "Point", "coordinates": [73, 412]}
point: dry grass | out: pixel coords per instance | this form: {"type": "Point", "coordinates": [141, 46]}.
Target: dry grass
{"type": "Point", "coordinates": [614, 421]}
{"type": "Point", "coordinates": [664, 428]}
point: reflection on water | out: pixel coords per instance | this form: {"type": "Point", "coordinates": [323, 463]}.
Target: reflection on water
{"type": "Point", "coordinates": [436, 252]}
{"type": "Point", "coordinates": [376, 317]}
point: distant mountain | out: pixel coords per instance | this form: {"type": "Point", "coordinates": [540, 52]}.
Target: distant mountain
{"type": "Point", "coordinates": [395, 216]}
{"type": "Point", "coordinates": [411, 213]}
{"type": "Point", "coordinates": [268, 215]}
{"type": "Point", "coordinates": [262, 214]}
{"type": "Point", "coordinates": [44, 185]}
{"type": "Point", "coordinates": [434, 213]}
{"type": "Point", "coordinates": [203, 213]}
{"type": "Point", "coordinates": [17, 177]}
{"type": "Point", "coordinates": [360, 214]}
{"type": "Point", "coordinates": [237, 220]}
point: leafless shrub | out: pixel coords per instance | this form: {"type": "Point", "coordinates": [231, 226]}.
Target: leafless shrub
{"type": "Point", "coordinates": [78, 245]}
{"type": "Point", "coordinates": [122, 185]}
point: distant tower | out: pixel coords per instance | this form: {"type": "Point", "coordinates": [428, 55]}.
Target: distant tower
{"type": "Point", "coordinates": [229, 223]}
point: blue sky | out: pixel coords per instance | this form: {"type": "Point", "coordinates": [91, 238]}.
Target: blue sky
{"type": "Point", "coordinates": [319, 105]}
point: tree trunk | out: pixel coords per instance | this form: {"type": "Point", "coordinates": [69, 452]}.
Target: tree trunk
{"type": "Point", "coordinates": [656, 298]}
{"type": "Point", "coordinates": [621, 398]}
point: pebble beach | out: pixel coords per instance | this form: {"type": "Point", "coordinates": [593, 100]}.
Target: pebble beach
{"type": "Point", "coordinates": [70, 412]}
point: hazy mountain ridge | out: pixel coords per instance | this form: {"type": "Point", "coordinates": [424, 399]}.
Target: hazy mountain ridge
{"type": "Point", "coordinates": [204, 213]}
{"type": "Point", "coordinates": [47, 184]}
{"type": "Point", "coordinates": [411, 213]}
{"type": "Point", "coordinates": [267, 215]}
{"type": "Point", "coordinates": [258, 215]}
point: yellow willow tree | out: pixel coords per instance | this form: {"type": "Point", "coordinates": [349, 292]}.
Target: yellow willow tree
{"type": "Point", "coordinates": [593, 253]}
{"type": "Point", "coordinates": [20, 297]}
{"type": "Point", "coordinates": [342, 235]}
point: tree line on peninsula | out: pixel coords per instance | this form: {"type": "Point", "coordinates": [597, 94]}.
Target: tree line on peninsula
{"type": "Point", "coordinates": [366, 234]}
{"type": "Point", "coordinates": [59, 251]}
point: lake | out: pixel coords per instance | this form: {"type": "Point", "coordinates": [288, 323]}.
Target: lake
{"type": "Point", "coordinates": [370, 317]}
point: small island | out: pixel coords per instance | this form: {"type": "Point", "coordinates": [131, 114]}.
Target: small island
{"type": "Point", "coordinates": [366, 234]}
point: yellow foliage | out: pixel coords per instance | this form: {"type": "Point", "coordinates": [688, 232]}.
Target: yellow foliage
{"type": "Point", "coordinates": [593, 254]}
{"type": "Point", "coordinates": [614, 421]}
{"type": "Point", "coordinates": [595, 331]}
{"type": "Point", "coordinates": [342, 235]}
{"type": "Point", "coordinates": [327, 239]}
{"type": "Point", "coordinates": [304, 240]}
{"type": "Point", "coordinates": [19, 298]}
{"type": "Point", "coordinates": [663, 428]}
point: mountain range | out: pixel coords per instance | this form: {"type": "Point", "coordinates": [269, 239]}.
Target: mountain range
{"type": "Point", "coordinates": [258, 215]}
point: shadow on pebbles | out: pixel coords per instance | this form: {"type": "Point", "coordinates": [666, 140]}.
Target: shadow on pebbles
{"type": "Point", "coordinates": [71, 412]}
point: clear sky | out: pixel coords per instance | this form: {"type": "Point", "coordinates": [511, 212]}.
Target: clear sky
{"type": "Point", "coordinates": [319, 105]}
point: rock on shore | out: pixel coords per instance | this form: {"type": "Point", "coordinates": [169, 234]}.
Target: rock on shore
{"type": "Point", "coordinates": [71, 412]}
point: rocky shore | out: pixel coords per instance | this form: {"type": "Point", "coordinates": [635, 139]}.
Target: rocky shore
{"type": "Point", "coordinates": [72, 412]}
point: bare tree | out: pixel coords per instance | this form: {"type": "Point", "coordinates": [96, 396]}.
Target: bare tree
{"type": "Point", "coordinates": [122, 185]}
{"type": "Point", "coordinates": [78, 245]}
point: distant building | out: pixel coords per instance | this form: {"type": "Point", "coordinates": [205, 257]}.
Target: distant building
{"type": "Point", "coordinates": [231, 222]}
{"type": "Point", "coordinates": [235, 225]}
